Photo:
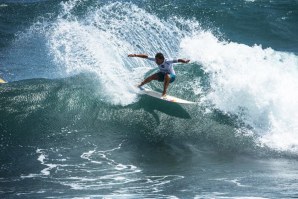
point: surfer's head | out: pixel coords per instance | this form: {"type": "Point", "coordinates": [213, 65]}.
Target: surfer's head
{"type": "Point", "coordinates": [159, 58]}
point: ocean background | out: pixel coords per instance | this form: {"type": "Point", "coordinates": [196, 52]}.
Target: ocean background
{"type": "Point", "coordinates": [73, 124]}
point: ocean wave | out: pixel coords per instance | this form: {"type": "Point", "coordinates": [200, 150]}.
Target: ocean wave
{"type": "Point", "coordinates": [250, 86]}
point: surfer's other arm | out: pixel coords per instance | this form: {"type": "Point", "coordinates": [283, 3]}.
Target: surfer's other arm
{"type": "Point", "coordinates": [138, 55]}
{"type": "Point", "coordinates": [183, 61]}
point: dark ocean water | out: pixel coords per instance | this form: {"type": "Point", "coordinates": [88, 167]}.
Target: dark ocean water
{"type": "Point", "coordinates": [73, 125]}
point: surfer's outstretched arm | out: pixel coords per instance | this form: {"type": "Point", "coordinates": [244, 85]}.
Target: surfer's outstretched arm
{"type": "Point", "coordinates": [183, 61]}
{"type": "Point", "coordinates": [138, 55]}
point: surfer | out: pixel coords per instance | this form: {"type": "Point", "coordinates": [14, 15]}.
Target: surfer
{"type": "Point", "coordinates": [166, 72]}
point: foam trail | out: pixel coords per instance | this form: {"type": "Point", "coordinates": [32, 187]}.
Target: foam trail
{"type": "Point", "coordinates": [100, 41]}
{"type": "Point", "coordinates": [258, 85]}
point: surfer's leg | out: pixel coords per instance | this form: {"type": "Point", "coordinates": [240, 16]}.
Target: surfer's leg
{"type": "Point", "coordinates": [149, 79]}
{"type": "Point", "coordinates": [166, 84]}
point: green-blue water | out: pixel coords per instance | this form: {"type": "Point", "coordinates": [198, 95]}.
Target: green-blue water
{"type": "Point", "coordinates": [73, 125]}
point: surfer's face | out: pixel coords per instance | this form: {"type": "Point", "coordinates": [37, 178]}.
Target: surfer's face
{"type": "Point", "coordinates": [159, 61]}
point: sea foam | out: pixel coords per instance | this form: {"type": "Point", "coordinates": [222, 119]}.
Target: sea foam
{"type": "Point", "coordinates": [256, 84]}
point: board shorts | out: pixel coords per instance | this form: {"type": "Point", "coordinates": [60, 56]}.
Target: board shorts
{"type": "Point", "coordinates": [161, 77]}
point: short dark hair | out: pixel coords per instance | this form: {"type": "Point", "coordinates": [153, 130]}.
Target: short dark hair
{"type": "Point", "coordinates": [159, 56]}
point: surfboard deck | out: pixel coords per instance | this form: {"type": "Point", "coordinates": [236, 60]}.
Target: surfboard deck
{"type": "Point", "coordinates": [168, 98]}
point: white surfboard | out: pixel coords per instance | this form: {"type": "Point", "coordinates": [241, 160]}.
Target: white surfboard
{"type": "Point", "coordinates": [168, 98]}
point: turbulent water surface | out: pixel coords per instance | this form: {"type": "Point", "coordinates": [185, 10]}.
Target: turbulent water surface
{"type": "Point", "coordinates": [73, 124]}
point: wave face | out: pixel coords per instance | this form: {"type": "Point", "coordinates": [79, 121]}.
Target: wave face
{"type": "Point", "coordinates": [73, 121]}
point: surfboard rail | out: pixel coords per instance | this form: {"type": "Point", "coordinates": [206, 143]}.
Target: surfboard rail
{"type": "Point", "coordinates": [167, 98]}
